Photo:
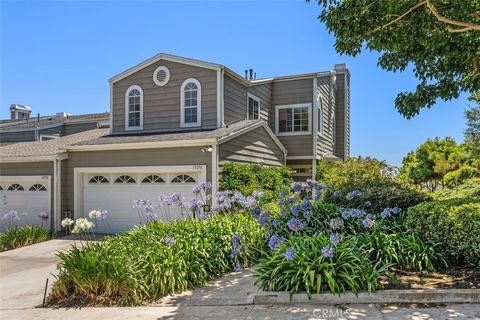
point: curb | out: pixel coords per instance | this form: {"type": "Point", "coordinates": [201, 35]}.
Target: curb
{"type": "Point", "coordinates": [382, 296]}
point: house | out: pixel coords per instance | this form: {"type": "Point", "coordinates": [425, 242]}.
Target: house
{"type": "Point", "coordinates": [173, 123]}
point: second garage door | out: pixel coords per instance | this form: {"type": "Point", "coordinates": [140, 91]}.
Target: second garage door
{"type": "Point", "coordinates": [116, 192]}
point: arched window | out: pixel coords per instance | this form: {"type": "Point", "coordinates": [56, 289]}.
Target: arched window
{"type": "Point", "coordinates": [125, 179]}
{"type": "Point", "coordinates": [38, 187]}
{"type": "Point", "coordinates": [134, 108]}
{"type": "Point", "coordinates": [153, 179]}
{"type": "Point", "coordinates": [98, 179]}
{"type": "Point", "coordinates": [183, 178]}
{"type": "Point", "coordinates": [15, 187]}
{"type": "Point", "coordinates": [190, 103]}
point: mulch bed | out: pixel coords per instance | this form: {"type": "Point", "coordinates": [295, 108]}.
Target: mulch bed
{"type": "Point", "coordinates": [451, 278]}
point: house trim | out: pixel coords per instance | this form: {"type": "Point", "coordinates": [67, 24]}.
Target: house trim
{"type": "Point", "coordinates": [166, 57]}
{"type": "Point", "coordinates": [143, 145]}
{"type": "Point", "coordinates": [300, 157]}
{"type": "Point", "coordinates": [59, 156]}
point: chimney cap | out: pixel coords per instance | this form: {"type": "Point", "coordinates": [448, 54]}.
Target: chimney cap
{"type": "Point", "coordinates": [20, 107]}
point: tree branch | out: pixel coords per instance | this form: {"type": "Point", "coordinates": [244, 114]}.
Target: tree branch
{"type": "Point", "coordinates": [465, 26]}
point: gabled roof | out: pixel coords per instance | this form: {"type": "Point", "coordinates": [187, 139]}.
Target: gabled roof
{"type": "Point", "coordinates": [46, 150]}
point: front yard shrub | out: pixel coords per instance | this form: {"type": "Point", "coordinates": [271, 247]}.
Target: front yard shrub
{"type": "Point", "coordinates": [375, 179]}
{"type": "Point", "coordinates": [454, 224]}
{"type": "Point", "coordinates": [157, 259]}
{"type": "Point", "coordinates": [313, 265]}
{"type": "Point", "coordinates": [470, 189]}
{"type": "Point", "coordinates": [247, 178]}
{"type": "Point", "coordinates": [23, 236]}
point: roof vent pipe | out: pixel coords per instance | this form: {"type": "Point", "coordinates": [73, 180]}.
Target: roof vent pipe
{"type": "Point", "coordinates": [246, 74]}
{"type": "Point", "coordinates": [250, 71]}
{"type": "Point", "coordinates": [38, 117]}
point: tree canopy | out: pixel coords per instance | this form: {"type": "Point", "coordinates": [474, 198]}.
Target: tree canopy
{"type": "Point", "coordinates": [439, 38]}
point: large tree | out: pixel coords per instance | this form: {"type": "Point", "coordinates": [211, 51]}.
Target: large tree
{"type": "Point", "coordinates": [439, 38]}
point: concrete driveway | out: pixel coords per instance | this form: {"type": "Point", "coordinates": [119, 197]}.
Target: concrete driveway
{"type": "Point", "coordinates": [23, 273]}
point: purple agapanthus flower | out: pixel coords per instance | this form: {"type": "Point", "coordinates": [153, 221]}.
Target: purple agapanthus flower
{"type": "Point", "coordinates": [369, 221]}
{"type": "Point", "coordinates": [307, 214]}
{"type": "Point", "coordinates": [337, 193]}
{"type": "Point", "coordinates": [255, 212]}
{"type": "Point", "coordinates": [11, 215]}
{"type": "Point", "coordinates": [238, 267]}
{"type": "Point", "coordinates": [368, 204]}
{"type": "Point", "coordinates": [328, 251]}
{"type": "Point", "coordinates": [43, 215]}
{"type": "Point", "coordinates": [174, 198]}
{"type": "Point", "coordinates": [263, 218]}
{"type": "Point", "coordinates": [335, 238]}
{"type": "Point", "coordinates": [295, 210]}
{"type": "Point", "coordinates": [275, 224]}
{"type": "Point", "coordinates": [275, 242]}
{"type": "Point", "coordinates": [352, 213]}
{"type": "Point", "coordinates": [297, 186]}
{"type": "Point", "coordinates": [306, 203]}
{"type": "Point", "coordinates": [289, 254]}
{"type": "Point", "coordinates": [336, 223]}
{"type": "Point", "coordinates": [290, 201]}
{"type": "Point", "coordinates": [236, 240]}
{"type": "Point", "coordinates": [250, 202]}
{"type": "Point", "coordinates": [169, 241]}
{"type": "Point", "coordinates": [396, 210]}
{"type": "Point", "coordinates": [283, 194]}
{"type": "Point", "coordinates": [354, 194]}
{"type": "Point", "coordinates": [296, 224]}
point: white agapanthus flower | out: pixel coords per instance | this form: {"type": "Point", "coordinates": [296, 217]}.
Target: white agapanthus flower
{"type": "Point", "coordinates": [84, 224]}
{"type": "Point", "coordinates": [76, 230]}
{"type": "Point", "coordinates": [93, 214]}
{"type": "Point", "coordinates": [67, 222]}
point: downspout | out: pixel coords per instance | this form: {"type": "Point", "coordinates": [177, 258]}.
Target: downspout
{"type": "Point", "coordinates": [214, 171]}
{"type": "Point", "coordinates": [315, 128]}
{"type": "Point", "coordinates": [57, 194]}
{"type": "Point", "coordinates": [222, 94]}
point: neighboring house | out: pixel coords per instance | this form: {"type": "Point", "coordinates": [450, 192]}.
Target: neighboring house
{"type": "Point", "coordinates": [173, 123]}
{"type": "Point", "coordinates": [22, 127]}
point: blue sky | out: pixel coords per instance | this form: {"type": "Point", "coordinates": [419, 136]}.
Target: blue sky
{"type": "Point", "coordinates": [58, 56]}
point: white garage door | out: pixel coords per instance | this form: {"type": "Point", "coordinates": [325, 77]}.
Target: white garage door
{"type": "Point", "coordinates": [29, 196]}
{"type": "Point", "coordinates": [116, 192]}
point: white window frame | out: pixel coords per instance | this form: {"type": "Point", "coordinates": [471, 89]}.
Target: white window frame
{"type": "Point", "coordinates": [127, 127]}
{"type": "Point", "coordinates": [46, 137]}
{"type": "Point", "coordinates": [293, 106]}
{"type": "Point", "coordinates": [253, 97]}
{"type": "Point", "coordinates": [182, 104]}
{"type": "Point", "coordinates": [321, 124]}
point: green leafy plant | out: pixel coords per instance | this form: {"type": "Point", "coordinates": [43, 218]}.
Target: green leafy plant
{"type": "Point", "coordinates": [247, 178]}
{"type": "Point", "coordinates": [453, 224]}
{"type": "Point", "coordinates": [23, 236]}
{"type": "Point", "coordinates": [375, 179]}
{"type": "Point", "coordinates": [158, 259]}
{"type": "Point", "coordinates": [312, 270]}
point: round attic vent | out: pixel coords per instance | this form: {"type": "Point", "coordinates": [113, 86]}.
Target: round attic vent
{"type": "Point", "coordinates": [161, 75]}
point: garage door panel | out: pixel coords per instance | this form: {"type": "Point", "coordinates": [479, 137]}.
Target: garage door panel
{"type": "Point", "coordinates": [118, 197]}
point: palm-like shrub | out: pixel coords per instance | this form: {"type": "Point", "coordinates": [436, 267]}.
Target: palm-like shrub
{"type": "Point", "coordinates": [158, 259]}
{"type": "Point", "coordinates": [311, 268]}
{"type": "Point", "coordinates": [23, 236]}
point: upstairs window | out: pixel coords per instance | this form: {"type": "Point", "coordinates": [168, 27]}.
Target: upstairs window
{"type": "Point", "coordinates": [253, 107]}
{"type": "Point", "coordinates": [134, 108]}
{"type": "Point", "coordinates": [293, 119]}
{"type": "Point", "coordinates": [191, 97]}
{"type": "Point", "coordinates": [320, 114]}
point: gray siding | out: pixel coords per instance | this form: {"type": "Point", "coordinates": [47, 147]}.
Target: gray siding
{"type": "Point", "coordinates": [325, 139]}
{"type": "Point", "coordinates": [293, 92]}
{"type": "Point", "coordinates": [56, 131]}
{"type": "Point", "coordinates": [343, 116]}
{"type": "Point", "coordinates": [17, 136]}
{"type": "Point", "coordinates": [71, 128]}
{"type": "Point", "coordinates": [161, 105]}
{"type": "Point", "coordinates": [235, 100]}
{"type": "Point", "coordinates": [255, 146]}
{"type": "Point", "coordinates": [126, 158]}
{"type": "Point", "coordinates": [30, 169]}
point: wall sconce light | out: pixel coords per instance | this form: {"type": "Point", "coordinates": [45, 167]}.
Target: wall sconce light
{"type": "Point", "coordinates": [207, 149]}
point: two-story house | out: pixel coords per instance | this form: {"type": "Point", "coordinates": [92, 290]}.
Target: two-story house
{"type": "Point", "coordinates": [174, 122]}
